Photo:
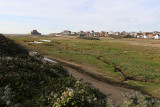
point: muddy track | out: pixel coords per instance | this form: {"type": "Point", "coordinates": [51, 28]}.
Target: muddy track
{"type": "Point", "coordinates": [114, 93]}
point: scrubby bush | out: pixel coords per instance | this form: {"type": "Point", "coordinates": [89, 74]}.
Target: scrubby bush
{"type": "Point", "coordinates": [35, 83]}
{"type": "Point", "coordinates": [139, 100]}
{"type": "Point", "coordinates": [128, 36]}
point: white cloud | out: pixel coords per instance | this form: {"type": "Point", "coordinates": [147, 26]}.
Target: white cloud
{"type": "Point", "coordinates": [85, 14]}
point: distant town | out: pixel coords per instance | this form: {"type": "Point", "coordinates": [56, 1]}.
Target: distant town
{"type": "Point", "coordinates": [140, 34]}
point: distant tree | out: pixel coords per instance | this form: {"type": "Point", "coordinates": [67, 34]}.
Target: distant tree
{"type": "Point", "coordinates": [139, 33]}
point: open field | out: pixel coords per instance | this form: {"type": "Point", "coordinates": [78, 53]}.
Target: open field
{"type": "Point", "coordinates": [138, 60]}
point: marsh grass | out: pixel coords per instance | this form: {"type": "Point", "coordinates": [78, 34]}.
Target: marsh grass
{"type": "Point", "coordinates": [140, 63]}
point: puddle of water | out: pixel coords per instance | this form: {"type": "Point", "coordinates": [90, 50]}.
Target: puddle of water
{"type": "Point", "coordinates": [120, 72]}
{"type": "Point", "coordinates": [36, 42]}
{"type": "Point", "coordinates": [46, 59]}
{"type": "Point", "coordinates": [117, 70]}
{"type": "Point", "coordinates": [49, 60]}
{"type": "Point", "coordinates": [46, 40]}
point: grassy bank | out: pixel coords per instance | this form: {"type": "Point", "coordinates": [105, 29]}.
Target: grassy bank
{"type": "Point", "coordinates": [139, 63]}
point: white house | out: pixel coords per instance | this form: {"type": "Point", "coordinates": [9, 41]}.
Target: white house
{"type": "Point", "coordinates": [157, 37]}
{"type": "Point", "coordinates": [144, 36]}
{"type": "Point", "coordinates": [110, 32]}
{"type": "Point", "coordinates": [66, 32]}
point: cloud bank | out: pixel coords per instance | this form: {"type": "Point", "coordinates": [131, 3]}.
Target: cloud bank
{"type": "Point", "coordinates": [21, 16]}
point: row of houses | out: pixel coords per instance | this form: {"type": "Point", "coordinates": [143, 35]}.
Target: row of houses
{"type": "Point", "coordinates": [87, 33]}
{"type": "Point", "coordinates": [92, 33]}
{"type": "Point", "coordinates": [149, 35]}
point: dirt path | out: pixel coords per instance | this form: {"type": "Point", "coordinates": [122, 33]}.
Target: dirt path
{"type": "Point", "coordinates": [112, 92]}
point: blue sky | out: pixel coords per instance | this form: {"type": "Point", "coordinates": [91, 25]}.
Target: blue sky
{"type": "Point", "coordinates": [47, 16]}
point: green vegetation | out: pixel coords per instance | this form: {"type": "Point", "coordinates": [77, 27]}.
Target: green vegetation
{"type": "Point", "coordinates": [139, 100]}
{"type": "Point", "coordinates": [52, 34]}
{"type": "Point", "coordinates": [28, 82]}
{"type": "Point", "coordinates": [88, 38]}
{"type": "Point", "coordinates": [141, 64]}
{"type": "Point", "coordinates": [9, 48]}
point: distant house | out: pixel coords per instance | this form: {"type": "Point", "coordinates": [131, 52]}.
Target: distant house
{"type": "Point", "coordinates": [66, 32]}
{"type": "Point", "coordinates": [139, 36]}
{"type": "Point", "coordinates": [88, 33]}
{"type": "Point", "coordinates": [134, 34]}
{"type": "Point", "coordinates": [145, 36]}
{"type": "Point", "coordinates": [157, 37]}
{"type": "Point", "coordinates": [103, 34]}
{"type": "Point", "coordinates": [155, 32]}
{"type": "Point", "coordinates": [123, 33]}
{"type": "Point", "coordinates": [116, 33]}
{"type": "Point", "coordinates": [82, 33]}
{"type": "Point", "coordinates": [96, 33]}
{"type": "Point", "coordinates": [92, 33]}
{"type": "Point", "coordinates": [110, 32]}
{"type": "Point", "coordinates": [150, 36]}
{"type": "Point", "coordinates": [34, 32]}
{"type": "Point", "coordinates": [73, 33]}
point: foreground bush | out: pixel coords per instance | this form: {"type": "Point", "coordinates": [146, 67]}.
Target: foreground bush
{"type": "Point", "coordinates": [28, 82]}
{"type": "Point", "coordinates": [139, 100]}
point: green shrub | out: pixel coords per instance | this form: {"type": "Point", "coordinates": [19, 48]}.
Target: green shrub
{"type": "Point", "coordinates": [128, 36]}
{"type": "Point", "coordinates": [139, 100]}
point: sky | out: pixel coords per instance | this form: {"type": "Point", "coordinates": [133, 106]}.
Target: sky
{"type": "Point", "coordinates": [48, 16]}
